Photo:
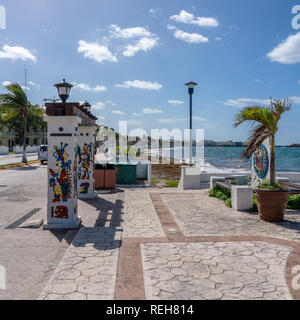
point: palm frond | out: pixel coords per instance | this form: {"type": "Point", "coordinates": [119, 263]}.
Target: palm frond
{"type": "Point", "coordinates": [256, 138]}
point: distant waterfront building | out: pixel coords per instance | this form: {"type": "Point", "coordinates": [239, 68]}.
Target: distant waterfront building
{"type": "Point", "coordinates": [35, 136]}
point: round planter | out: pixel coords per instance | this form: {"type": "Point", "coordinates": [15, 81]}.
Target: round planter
{"type": "Point", "coordinates": [272, 204]}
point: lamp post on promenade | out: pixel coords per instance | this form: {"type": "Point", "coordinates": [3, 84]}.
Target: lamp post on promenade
{"type": "Point", "coordinates": [191, 85]}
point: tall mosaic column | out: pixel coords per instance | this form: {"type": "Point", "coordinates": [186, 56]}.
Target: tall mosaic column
{"type": "Point", "coordinates": [62, 172]}
{"type": "Point", "coordinates": [86, 156]}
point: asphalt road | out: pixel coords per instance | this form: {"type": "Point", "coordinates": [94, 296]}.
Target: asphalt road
{"type": "Point", "coordinates": [28, 255]}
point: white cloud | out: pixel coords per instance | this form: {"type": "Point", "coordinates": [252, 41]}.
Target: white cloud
{"type": "Point", "coordinates": [144, 44]}
{"type": "Point", "coordinates": [189, 18]}
{"type": "Point", "coordinates": [6, 83]}
{"type": "Point", "coordinates": [176, 102]}
{"type": "Point", "coordinates": [98, 106]}
{"type": "Point", "coordinates": [295, 100]}
{"type": "Point", "coordinates": [95, 51]}
{"type": "Point", "coordinates": [100, 88]}
{"type": "Point", "coordinates": [145, 85]}
{"type": "Point", "coordinates": [17, 53]}
{"type": "Point", "coordinates": [135, 123]}
{"type": "Point", "coordinates": [136, 114]}
{"type": "Point", "coordinates": [111, 103]}
{"type": "Point", "coordinates": [86, 87]}
{"type": "Point", "coordinates": [151, 111]}
{"type": "Point", "coordinates": [196, 118]}
{"type": "Point", "coordinates": [173, 120]}
{"type": "Point", "coordinates": [243, 102]}
{"type": "Point", "coordinates": [129, 33]}
{"type": "Point", "coordinates": [118, 112]}
{"type": "Point", "coordinates": [218, 39]}
{"type": "Point", "coordinates": [288, 52]}
{"type": "Point", "coordinates": [34, 84]}
{"type": "Point", "coordinates": [190, 37]}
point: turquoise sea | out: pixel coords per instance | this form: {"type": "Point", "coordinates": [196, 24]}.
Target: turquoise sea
{"type": "Point", "coordinates": [228, 158]}
{"type": "Point", "coordinates": [287, 159]}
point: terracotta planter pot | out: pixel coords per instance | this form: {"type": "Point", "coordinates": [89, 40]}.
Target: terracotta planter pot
{"type": "Point", "coordinates": [272, 204]}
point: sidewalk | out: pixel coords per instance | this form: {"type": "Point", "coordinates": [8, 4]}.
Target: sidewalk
{"type": "Point", "coordinates": [15, 158]}
{"type": "Point", "coordinates": [171, 244]}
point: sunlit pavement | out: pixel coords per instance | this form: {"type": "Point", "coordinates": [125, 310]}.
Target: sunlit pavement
{"type": "Point", "coordinates": [144, 244]}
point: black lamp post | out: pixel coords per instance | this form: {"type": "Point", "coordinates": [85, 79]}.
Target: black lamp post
{"type": "Point", "coordinates": [191, 85]}
{"type": "Point", "coordinates": [63, 89]}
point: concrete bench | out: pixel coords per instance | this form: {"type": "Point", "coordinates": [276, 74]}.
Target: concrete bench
{"type": "Point", "coordinates": [241, 196]}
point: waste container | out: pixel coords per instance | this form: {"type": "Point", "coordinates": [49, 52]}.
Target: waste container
{"type": "Point", "coordinates": [126, 173]}
{"type": "Point", "coordinates": [105, 176]}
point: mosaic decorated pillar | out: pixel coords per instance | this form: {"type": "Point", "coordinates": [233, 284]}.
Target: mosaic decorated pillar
{"type": "Point", "coordinates": [86, 156]}
{"type": "Point", "coordinates": [62, 172]}
{"type": "Point", "coordinates": [261, 170]}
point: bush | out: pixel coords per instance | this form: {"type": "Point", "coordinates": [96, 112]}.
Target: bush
{"type": "Point", "coordinates": [294, 202]}
{"type": "Point", "coordinates": [276, 186]}
{"type": "Point", "coordinates": [222, 194]}
{"type": "Point", "coordinates": [228, 203]}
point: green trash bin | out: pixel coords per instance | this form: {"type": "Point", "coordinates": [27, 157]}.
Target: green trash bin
{"type": "Point", "coordinates": [126, 173]}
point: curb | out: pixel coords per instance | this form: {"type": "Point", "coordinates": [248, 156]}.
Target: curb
{"type": "Point", "coordinates": [19, 165]}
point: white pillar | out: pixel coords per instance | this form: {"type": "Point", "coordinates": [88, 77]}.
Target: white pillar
{"type": "Point", "coordinates": [62, 172]}
{"type": "Point", "coordinates": [86, 156]}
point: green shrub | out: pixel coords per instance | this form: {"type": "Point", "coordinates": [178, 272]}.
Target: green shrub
{"type": "Point", "coordinates": [294, 202]}
{"type": "Point", "coordinates": [172, 183]}
{"type": "Point", "coordinates": [276, 186]}
{"type": "Point", "coordinates": [228, 203]}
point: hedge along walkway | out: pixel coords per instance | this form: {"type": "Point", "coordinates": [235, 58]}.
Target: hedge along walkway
{"type": "Point", "coordinates": [200, 250]}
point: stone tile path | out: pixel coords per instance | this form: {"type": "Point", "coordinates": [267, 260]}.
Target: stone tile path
{"type": "Point", "coordinates": [88, 269]}
{"type": "Point", "coordinates": [170, 244]}
{"type": "Point", "coordinates": [200, 215]}
{"type": "Point", "coordinates": [140, 218]}
{"type": "Point", "coordinates": [242, 270]}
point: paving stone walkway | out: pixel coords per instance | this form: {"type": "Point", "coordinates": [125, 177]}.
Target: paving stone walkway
{"type": "Point", "coordinates": [242, 270]}
{"type": "Point", "coordinates": [88, 269]}
{"type": "Point", "coordinates": [171, 244]}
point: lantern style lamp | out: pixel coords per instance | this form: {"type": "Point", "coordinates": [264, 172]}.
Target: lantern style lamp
{"type": "Point", "coordinates": [63, 89]}
{"type": "Point", "coordinates": [191, 85]}
{"type": "Point", "coordinates": [87, 106]}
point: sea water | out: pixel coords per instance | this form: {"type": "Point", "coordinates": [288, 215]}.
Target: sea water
{"type": "Point", "coordinates": [218, 159]}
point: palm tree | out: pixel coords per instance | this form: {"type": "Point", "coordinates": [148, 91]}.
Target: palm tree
{"type": "Point", "coordinates": [15, 104]}
{"type": "Point", "coordinates": [265, 120]}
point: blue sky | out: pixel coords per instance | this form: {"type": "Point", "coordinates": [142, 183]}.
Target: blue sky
{"type": "Point", "coordinates": [131, 59]}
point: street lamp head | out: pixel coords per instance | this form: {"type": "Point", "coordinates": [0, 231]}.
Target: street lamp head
{"type": "Point", "coordinates": [87, 106]}
{"type": "Point", "coordinates": [63, 89]}
{"type": "Point", "coordinates": [191, 84]}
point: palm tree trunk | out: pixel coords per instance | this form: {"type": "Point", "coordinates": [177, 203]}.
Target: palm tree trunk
{"type": "Point", "coordinates": [273, 163]}
{"type": "Point", "coordinates": [24, 159]}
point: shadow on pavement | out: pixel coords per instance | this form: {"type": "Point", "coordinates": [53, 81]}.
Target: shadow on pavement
{"type": "Point", "coordinates": [25, 168]}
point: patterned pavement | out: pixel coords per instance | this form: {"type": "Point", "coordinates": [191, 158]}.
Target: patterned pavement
{"type": "Point", "coordinates": [171, 244]}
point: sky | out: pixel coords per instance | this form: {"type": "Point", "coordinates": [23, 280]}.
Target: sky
{"type": "Point", "coordinates": [131, 59]}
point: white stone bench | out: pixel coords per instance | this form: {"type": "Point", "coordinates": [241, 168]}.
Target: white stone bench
{"type": "Point", "coordinates": [241, 196]}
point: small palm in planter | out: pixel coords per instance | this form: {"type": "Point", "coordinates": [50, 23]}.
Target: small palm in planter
{"type": "Point", "coordinates": [271, 197]}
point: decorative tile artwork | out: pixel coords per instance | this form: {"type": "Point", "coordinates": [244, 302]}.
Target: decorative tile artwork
{"type": "Point", "coordinates": [84, 187]}
{"type": "Point", "coordinates": [85, 161]}
{"type": "Point", "coordinates": [60, 179]}
{"type": "Point", "coordinates": [60, 212]}
{"type": "Point", "coordinates": [261, 161]}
